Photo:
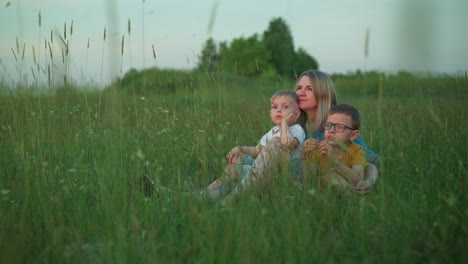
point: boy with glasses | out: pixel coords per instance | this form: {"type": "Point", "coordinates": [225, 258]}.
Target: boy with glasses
{"type": "Point", "coordinates": [337, 160]}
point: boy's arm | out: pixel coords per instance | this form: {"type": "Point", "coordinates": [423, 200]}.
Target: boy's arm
{"type": "Point", "coordinates": [287, 138]}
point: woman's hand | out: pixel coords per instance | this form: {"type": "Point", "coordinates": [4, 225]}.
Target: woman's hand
{"type": "Point", "coordinates": [233, 157]}
{"type": "Point", "coordinates": [362, 187]}
{"type": "Point", "coordinates": [310, 145]}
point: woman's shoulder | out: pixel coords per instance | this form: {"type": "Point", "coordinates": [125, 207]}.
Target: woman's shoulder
{"type": "Point", "coordinates": [316, 134]}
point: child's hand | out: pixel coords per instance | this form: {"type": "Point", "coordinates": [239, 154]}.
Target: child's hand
{"type": "Point", "coordinates": [290, 119]}
{"type": "Point", "coordinates": [233, 157]}
{"type": "Point", "coordinates": [310, 145]}
{"type": "Point", "coordinates": [324, 148]}
{"type": "Point", "coordinates": [331, 150]}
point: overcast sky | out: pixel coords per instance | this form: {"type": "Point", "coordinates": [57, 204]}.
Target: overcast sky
{"type": "Point", "coordinates": [424, 35]}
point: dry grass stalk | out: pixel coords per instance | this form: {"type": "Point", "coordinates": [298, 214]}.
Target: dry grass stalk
{"type": "Point", "coordinates": [50, 50]}
{"type": "Point", "coordinates": [24, 48]}
{"type": "Point", "coordinates": [154, 53]}
{"type": "Point", "coordinates": [34, 54]}
{"type": "Point", "coordinates": [65, 31]}
{"type": "Point", "coordinates": [34, 76]}
{"type": "Point", "coordinates": [366, 43]}
{"type": "Point", "coordinates": [14, 54]}
{"type": "Point", "coordinates": [122, 46]}
{"type": "Point", "coordinates": [48, 73]}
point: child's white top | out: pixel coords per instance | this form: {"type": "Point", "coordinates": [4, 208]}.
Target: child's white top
{"type": "Point", "coordinates": [297, 132]}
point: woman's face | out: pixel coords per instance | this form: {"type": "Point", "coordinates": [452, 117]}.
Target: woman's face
{"type": "Point", "coordinates": [307, 101]}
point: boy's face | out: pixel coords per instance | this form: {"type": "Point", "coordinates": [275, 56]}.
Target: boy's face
{"type": "Point", "coordinates": [344, 137]}
{"type": "Point", "coordinates": [281, 107]}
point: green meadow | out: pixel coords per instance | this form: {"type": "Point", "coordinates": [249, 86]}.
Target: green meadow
{"type": "Point", "coordinates": [70, 160]}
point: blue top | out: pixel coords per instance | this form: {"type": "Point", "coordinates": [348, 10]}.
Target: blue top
{"type": "Point", "coordinates": [371, 156]}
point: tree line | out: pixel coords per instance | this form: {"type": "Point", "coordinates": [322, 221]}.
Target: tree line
{"type": "Point", "coordinates": [271, 53]}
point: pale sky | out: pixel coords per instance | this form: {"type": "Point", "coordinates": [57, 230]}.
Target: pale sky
{"type": "Point", "coordinates": [423, 35]}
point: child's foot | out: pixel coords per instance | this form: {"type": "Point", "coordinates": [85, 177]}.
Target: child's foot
{"type": "Point", "coordinates": [148, 185]}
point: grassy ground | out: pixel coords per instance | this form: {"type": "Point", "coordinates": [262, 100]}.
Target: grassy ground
{"type": "Point", "coordinates": [68, 165]}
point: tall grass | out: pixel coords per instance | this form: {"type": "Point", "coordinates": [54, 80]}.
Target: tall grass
{"type": "Point", "coordinates": [69, 165]}
{"type": "Point", "coordinates": [70, 160]}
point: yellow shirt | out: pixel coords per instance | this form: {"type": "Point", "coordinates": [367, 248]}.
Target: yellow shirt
{"type": "Point", "coordinates": [354, 156]}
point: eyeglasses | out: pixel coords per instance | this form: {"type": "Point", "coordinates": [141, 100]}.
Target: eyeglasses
{"type": "Point", "coordinates": [338, 127]}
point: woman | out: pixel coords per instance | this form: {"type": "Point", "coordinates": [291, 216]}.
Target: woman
{"type": "Point", "coordinates": [316, 96]}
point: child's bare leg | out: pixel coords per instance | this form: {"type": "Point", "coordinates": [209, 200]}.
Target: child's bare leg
{"type": "Point", "coordinates": [261, 172]}
{"type": "Point", "coordinates": [229, 175]}
{"type": "Point", "coordinates": [333, 179]}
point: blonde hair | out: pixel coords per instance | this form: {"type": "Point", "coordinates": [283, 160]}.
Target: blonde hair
{"type": "Point", "coordinates": [288, 93]}
{"type": "Point", "coordinates": [325, 94]}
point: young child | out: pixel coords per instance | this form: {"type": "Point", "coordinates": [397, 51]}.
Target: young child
{"type": "Point", "coordinates": [286, 135]}
{"type": "Point", "coordinates": [339, 161]}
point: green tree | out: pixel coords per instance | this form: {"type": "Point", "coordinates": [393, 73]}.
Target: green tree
{"type": "Point", "coordinates": [245, 56]}
{"type": "Point", "coordinates": [279, 41]}
{"type": "Point", "coordinates": [304, 62]}
{"type": "Point", "coordinates": [209, 60]}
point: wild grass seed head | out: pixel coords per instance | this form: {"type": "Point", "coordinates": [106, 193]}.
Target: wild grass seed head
{"type": "Point", "coordinates": [122, 46]}
{"type": "Point", "coordinates": [34, 54]}
{"type": "Point", "coordinates": [129, 28]}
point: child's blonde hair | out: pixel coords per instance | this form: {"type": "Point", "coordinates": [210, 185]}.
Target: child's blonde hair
{"type": "Point", "coordinates": [288, 93]}
{"type": "Point", "coordinates": [324, 92]}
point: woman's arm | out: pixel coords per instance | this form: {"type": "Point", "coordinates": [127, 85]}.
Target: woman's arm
{"type": "Point", "coordinates": [371, 173]}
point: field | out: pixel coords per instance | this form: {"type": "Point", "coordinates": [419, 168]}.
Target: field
{"type": "Point", "coordinates": [70, 160]}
